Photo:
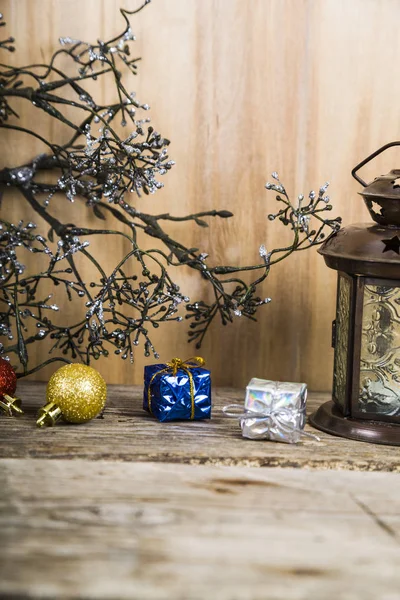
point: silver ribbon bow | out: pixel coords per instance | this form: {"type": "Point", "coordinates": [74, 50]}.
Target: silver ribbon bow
{"type": "Point", "coordinates": [269, 423]}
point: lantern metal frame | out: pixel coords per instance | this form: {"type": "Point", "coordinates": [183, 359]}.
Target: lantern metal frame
{"type": "Point", "coordinates": [347, 419]}
{"type": "Point", "coordinates": [359, 257]}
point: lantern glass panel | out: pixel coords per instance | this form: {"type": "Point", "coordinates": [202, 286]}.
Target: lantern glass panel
{"type": "Point", "coordinates": [340, 376]}
{"type": "Point", "coordinates": [380, 352]}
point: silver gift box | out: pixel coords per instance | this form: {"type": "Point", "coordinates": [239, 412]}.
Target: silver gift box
{"type": "Point", "coordinates": [279, 410]}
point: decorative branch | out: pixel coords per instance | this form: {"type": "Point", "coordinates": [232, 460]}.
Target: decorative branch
{"type": "Point", "coordinates": [102, 169]}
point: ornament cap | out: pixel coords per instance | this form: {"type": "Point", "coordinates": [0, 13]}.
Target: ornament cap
{"type": "Point", "coordinates": [48, 415]}
{"type": "Point", "coordinates": [11, 405]}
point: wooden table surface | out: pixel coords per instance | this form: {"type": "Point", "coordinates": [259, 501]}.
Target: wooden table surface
{"type": "Point", "coordinates": [126, 507]}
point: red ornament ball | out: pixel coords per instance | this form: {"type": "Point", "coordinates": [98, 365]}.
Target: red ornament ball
{"type": "Point", "coordinates": [8, 378]}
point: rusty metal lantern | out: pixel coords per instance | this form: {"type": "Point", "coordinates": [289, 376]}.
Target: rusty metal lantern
{"type": "Point", "coordinates": [366, 331]}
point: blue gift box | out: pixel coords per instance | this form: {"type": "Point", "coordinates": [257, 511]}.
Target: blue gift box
{"type": "Point", "coordinates": [171, 396]}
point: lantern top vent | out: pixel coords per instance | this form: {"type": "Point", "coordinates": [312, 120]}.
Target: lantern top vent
{"type": "Point", "coordinates": [382, 195]}
{"type": "Point", "coordinates": [371, 249]}
{"type": "Point", "coordinates": [387, 186]}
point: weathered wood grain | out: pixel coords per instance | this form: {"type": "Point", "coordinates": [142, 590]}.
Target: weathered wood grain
{"type": "Point", "coordinates": [128, 433]}
{"type": "Point", "coordinates": [101, 530]}
{"type": "Point", "coordinates": [241, 88]}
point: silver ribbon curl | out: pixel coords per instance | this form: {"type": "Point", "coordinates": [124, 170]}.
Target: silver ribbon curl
{"type": "Point", "coordinates": [276, 418]}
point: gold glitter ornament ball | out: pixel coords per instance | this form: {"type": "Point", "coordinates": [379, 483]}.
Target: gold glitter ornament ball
{"type": "Point", "coordinates": [79, 391]}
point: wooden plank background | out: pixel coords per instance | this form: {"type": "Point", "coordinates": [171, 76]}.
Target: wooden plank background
{"type": "Point", "coordinates": [304, 87]}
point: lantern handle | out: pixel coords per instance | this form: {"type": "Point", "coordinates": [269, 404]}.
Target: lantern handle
{"type": "Point", "coordinates": [370, 157]}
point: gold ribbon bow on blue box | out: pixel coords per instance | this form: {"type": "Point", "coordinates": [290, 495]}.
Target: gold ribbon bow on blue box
{"type": "Point", "coordinates": [180, 389]}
